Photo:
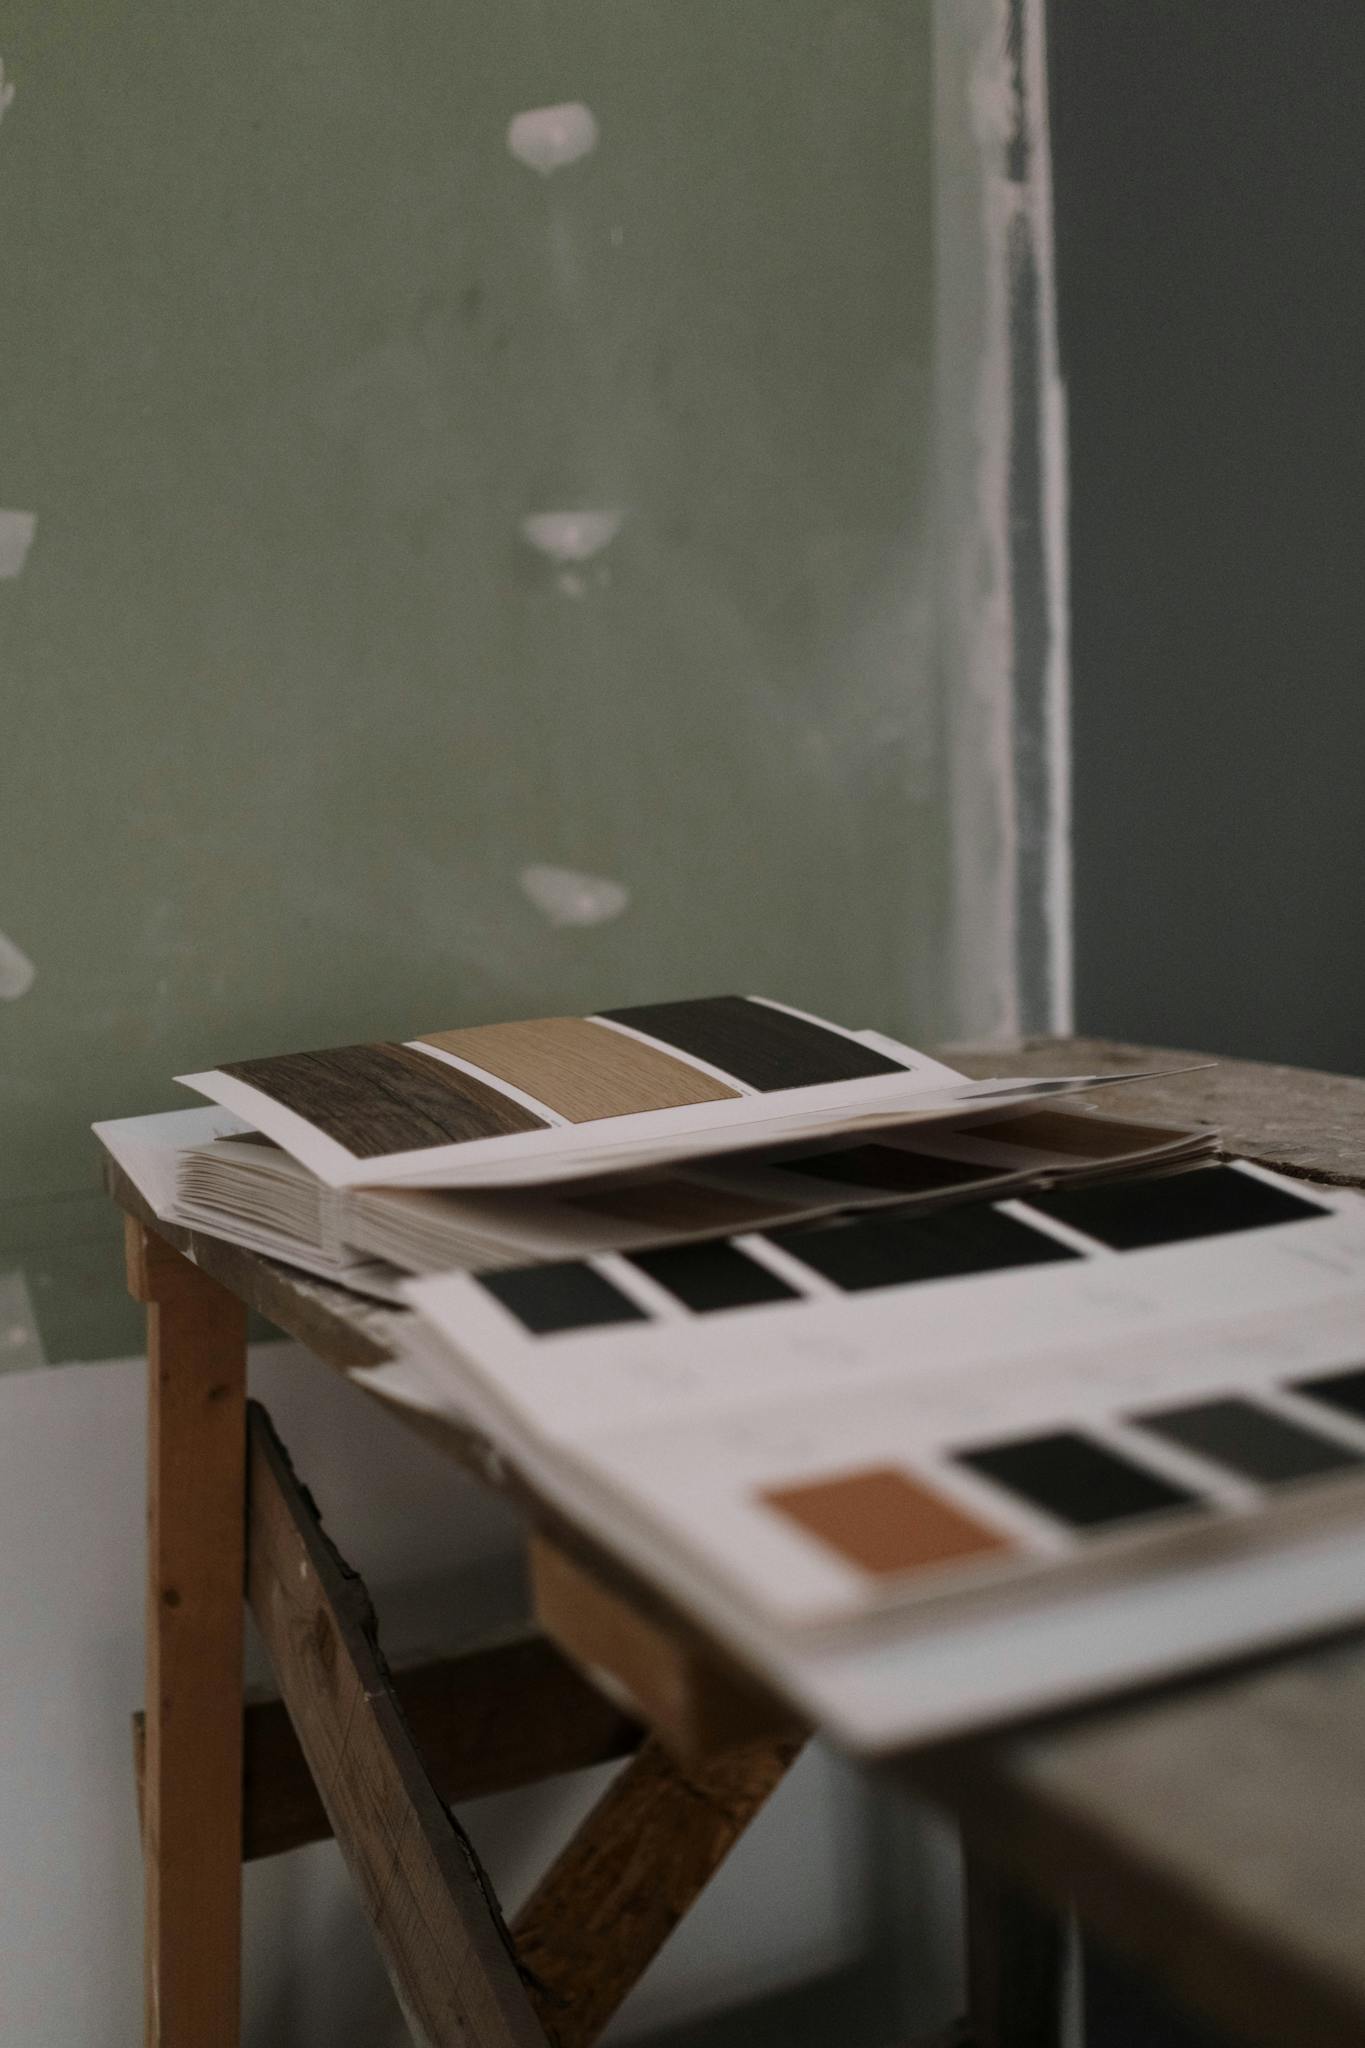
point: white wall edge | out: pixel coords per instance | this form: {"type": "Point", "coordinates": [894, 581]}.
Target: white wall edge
{"type": "Point", "coordinates": [1000, 450]}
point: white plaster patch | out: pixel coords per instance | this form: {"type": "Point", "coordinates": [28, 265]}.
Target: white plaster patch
{"type": "Point", "coordinates": [16, 538]}
{"type": "Point", "coordinates": [6, 91]}
{"type": "Point", "coordinates": [566, 897]}
{"type": "Point", "coordinates": [17, 971]}
{"type": "Point", "coordinates": [571, 536]}
{"type": "Point", "coordinates": [548, 138]}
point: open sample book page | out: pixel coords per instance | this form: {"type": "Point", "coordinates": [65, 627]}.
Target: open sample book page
{"type": "Point", "coordinates": [559, 1098]}
{"type": "Point", "coordinates": [209, 1169]}
{"type": "Point", "coordinates": [869, 1452]}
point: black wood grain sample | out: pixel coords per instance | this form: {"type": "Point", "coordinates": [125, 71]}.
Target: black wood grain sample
{"type": "Point", "coordinates": [1344, 1390]}
{"type": "Point", "coordinates": [1075, 1479]}
{"type": "Point", "coordinates": [763, 1047]}
{"type": "Point", "coordinates": [375, 1099]}
{"type": "Point", "coordinates": [892, 1251]}
{"type": "Point", "coordinates": [1209, 1201]}
{"type": "Point", "coordinates": [564, 1296]}
{"type": "Point", "coordinates": [706, 1277]}
{"type": "Point", "coordinates": [1250, 1440]}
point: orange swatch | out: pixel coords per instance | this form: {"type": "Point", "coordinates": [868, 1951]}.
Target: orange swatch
{"type": "Point", "coordinates": [884, 1521]}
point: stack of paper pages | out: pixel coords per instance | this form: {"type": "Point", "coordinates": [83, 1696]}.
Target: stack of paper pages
{"type": "Point", "coordinates": [506, 1143]}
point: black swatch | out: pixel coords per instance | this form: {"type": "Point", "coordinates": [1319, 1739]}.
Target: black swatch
{"type": "Point", "coordinates": [893, 1251]}
{"type": "Point", "coordinates": [888, 1167]}
{"type": "Point", "coordinates": [1210, 1201]}
{"type": "Point", "coordinates": [564, 1296]}
{"type": "Point", "coordinates": [763, 1047]}
{"type": "Point", "coordinates": [705, 1277]}
{"type": "Point", "coordinates": [1250, 1440]}
{"type": "Point", "coordinates": [375, 1099]}
{"type": "Point", "coordinates": [1075, 1479]}
{"type": "Point", "coordinates": [1344, 1390]}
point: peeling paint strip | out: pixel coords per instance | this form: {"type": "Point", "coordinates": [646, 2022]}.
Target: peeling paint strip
{"type": "Point", "coordinates": [1052, 462]}
{"type": "Point", "coordinates": [1000, 449]}
{"type": "Point", "coordinates": [16, 538]}
{"type": "Point", "coordinates": [17, 971]}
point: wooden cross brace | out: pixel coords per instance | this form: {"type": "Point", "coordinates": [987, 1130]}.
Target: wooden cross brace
{"type": "Point", "coordinates": [373, 1757]}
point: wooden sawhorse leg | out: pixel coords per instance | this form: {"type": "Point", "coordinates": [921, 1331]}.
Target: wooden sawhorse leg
{"type": "Point", "coordinates": [609, 1901]}
{"type": "Point", "coordinates": [636, 1866]}
{"type": "Point", "coordinates": [611, 1898]}
{"type": "Point", "coordinates": [192, 1773]}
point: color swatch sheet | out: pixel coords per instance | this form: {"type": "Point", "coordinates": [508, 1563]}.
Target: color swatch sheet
{"type": "Point", "coordinates": [896, 1430]}
{"type": "Point", "coordinates": [526, 1103]}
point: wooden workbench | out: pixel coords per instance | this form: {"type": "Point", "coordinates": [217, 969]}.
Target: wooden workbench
{"type": "Point", "coordinates": [1215, 1831]}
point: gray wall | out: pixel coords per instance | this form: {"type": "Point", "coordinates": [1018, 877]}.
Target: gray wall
{"type": "Point", "coordinates": [296, 345]}
{"type": "Point", "coordinates": [1209, 167]}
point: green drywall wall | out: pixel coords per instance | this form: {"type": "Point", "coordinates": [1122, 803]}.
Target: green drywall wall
{"type": "Point", "coordinates": [292, 345]}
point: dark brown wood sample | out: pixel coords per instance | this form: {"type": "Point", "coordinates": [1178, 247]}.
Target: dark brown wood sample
{"type": "Point", "coordinates": [763, 1047]}
{"type": "Point", "coordinates": [375, 1099]}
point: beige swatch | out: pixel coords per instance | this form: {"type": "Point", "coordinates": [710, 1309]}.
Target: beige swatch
{"type": "Point", "coordinates": [884, 1521]}
{"type": "Point", "coordinates": [581, 1070]}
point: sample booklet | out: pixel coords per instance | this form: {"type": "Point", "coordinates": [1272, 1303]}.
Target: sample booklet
{"type": "Point", "coordinates": [204, 1170]}
{"type": "Point", "coordinates": [929, 1471]}
{"type": "Point", "coordinates": [627, 1091]}
{"type": "Point", "coordinates": [270, 1182]}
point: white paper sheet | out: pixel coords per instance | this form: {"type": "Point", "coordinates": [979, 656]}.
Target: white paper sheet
{"type": "Point", "coordinates": [661, 1436]}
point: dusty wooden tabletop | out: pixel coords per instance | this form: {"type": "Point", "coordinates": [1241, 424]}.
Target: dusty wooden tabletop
{"type": "Point", "coordinates": [1214, 1831]}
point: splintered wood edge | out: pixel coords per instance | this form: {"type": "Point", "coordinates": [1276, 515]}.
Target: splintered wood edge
{"type": "Point", "coordinates": [434, 1915]}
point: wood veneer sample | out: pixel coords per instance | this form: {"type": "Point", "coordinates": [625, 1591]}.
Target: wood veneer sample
{"type": "Point", "coordinates": [884, 1521]}
{"type": "Point", "coordinates": [763, 1047]}
{"type": "Point", "coordinates": [567, 1294]}
{"type": "Point", "coordinates": [1076, 1479]}
{"type": "Point", "coordinates": [895, 1251]}
{"type": "Point", "coordinates": [1250, 1440]}
{"type": "Point", "coordinates": [1343, 1390]}
{"type": "Point", "coordinates": [375, 1099]}
{"type": "Point", "coordinates": [1208, 1201]}
{"type": "Point", "coordinates": [711, 1277]}
{"type": "Point", "coordinates": [580, 1069]}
